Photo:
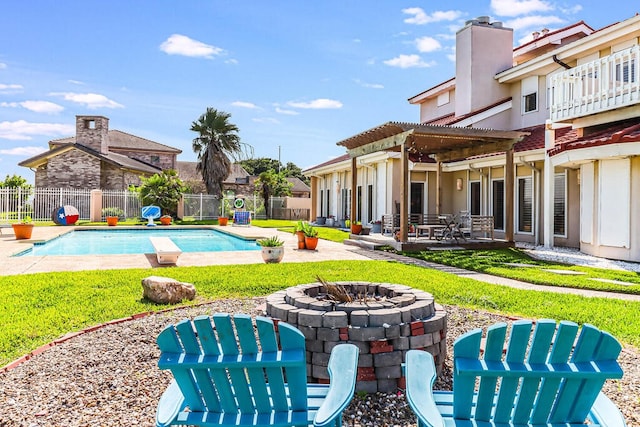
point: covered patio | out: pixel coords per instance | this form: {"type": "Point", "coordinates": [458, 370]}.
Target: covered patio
{"type": "Point", "coordinates": [439, 144]}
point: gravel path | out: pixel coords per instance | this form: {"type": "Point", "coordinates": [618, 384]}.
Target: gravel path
{"type": "Point", "coordinates": [109, 377]}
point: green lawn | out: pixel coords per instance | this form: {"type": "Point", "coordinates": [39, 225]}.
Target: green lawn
{"type": "Point", "coordinates": [38, 308]}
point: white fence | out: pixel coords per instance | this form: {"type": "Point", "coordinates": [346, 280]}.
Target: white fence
{"type": "Point", "coordinates": [40, 203]}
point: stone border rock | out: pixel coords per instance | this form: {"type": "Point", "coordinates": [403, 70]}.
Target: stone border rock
{"type": "Point", "coordinates": [402, 318]}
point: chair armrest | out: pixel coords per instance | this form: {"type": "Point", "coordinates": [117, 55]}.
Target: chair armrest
{"type": "Point", "coordinates": [170, 405]}
{"type": "Point", "coordinates": [606, 412]}
{"type": "Point", "coordinates": [343, 368]}
{"type": "Point", "coordinates": [421, 374]}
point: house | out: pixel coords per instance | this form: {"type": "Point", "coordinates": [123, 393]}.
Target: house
{"type": "Point", "coordinates": [99, 158]}
{"type": "Point", "coordinates": [544, 137]}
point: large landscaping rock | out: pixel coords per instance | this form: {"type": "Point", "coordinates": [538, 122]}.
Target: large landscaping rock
{"type": "Point", "coordinates": [164, 290]}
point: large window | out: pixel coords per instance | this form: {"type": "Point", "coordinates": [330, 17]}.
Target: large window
{"type": "Point", "coordinates": [359, 204]}
{"type": "Point", "coordinates": [497, 194]}
{"type": "Point", "coordinates": [369, 203]}
{"type": "Point", "coordinates": [346, 202]}
{"type": "Point", "coordinates": [560, 205]}
{"type": "Point", "coordinates": [327, 207]}
{"type": "Point", "coordinates": [474, 197]}
{"type": "Point", "coordinates": [416, 200]}
{"type": "Point", "coordinates": [525, 205]}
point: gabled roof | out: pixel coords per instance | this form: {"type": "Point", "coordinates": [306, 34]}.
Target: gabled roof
{"type": "Point", "coordinates": [298, 185]}
{"type": "Point", "coordinates": [335, 160]}
{"type": "Point", "coordinates": [119, 140]}
{"type": "Point", "coordinates": [115, 159]}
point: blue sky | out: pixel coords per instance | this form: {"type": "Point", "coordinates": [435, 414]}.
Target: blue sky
{"type": "Point", "coordinates": [296, 76]}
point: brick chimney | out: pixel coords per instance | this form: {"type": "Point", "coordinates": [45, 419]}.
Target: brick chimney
{"type": "Point", "coordinates": [483, 49]}
{"type": "Point", "coordinates": [93, 132]}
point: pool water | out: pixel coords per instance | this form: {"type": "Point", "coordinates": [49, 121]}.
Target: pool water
{"type": "Point", "coordinates": [127, 241]}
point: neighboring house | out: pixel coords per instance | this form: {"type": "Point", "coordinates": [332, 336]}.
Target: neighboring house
{"type": "Point", "coordinates": [238, 182]}
{"type": "Point", "coordinates": [570, 179]}
{"type": "Point", "coordinates": [99, 158]}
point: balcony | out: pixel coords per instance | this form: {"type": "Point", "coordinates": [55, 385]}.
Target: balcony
{"type": "Point", "coordinates": [606, 84]}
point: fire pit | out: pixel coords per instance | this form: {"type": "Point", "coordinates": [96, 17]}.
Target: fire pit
{"type": "Point", "coordinates": [384, 320]}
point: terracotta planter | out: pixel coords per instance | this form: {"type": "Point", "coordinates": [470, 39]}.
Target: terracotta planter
{"type": "Point", "coordinates": [22, 231]}
{"type": "Point", "coordinates": [300, 235]}
{"type": "Point", "coordinates": [112, 220]}
{"type": "Point", "coordinates": [356, 228]}
{"type": "Point", "coordinates": [311, 242]}
{"type": "Point", "coordinates": [165, 220]}
{"type": "Point", "coordinates": [223, 220]}
{"type": "Point", "coordinates": [272, 254]}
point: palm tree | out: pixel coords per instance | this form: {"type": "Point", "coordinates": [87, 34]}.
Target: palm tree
{"type": "Point", "coordinates": [216, 145]}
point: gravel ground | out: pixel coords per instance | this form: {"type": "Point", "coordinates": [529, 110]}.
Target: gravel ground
{"type": "Point", "coordinates": [109, 377]}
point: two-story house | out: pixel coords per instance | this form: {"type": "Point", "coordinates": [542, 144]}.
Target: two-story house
{"type": "Point", "coordinates": [98, 157]}
{"type": "Point", "coordinates": [544, 137]}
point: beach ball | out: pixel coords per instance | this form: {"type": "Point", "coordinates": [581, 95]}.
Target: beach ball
{"type": "Point", "coordinates": [65, 215]}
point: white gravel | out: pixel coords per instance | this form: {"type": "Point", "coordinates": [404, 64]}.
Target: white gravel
{"type": "Point", "coordinates": [575, 257]}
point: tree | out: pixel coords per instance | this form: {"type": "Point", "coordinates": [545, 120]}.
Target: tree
{"type": "Point", "coordinates": [164, 190]}
{"type": "Point", "coordinates": [216, 145]}
{"type": "Point", "coordinates": [262, 164]}
{"type": "Point", "coordinates": [271, 183]}
{"type": "Point", "coordinates": [15, 181]}
{"type": "Point", "coordinates": [291, 170]}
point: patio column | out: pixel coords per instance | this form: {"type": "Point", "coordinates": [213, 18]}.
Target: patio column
{"type": "Point", "coordinates": [509, 195]}
{"type": "Point", "coordinates": [314, 198]}
{"type": "Point", "coordinates": [549, 190]}
{"type": "Point", "coordinates": [404, 177]}
{"type": "Point", "coordinates": [438, 187]}
{"type": "Point", "coordinates": [354, 187]}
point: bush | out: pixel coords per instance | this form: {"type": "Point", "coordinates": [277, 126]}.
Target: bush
{"type": "Point", "coordinates": [113, 211]}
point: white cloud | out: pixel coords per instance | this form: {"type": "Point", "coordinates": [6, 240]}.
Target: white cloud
{"type": "Point", "coordinates": [571, 10]}
{"type": "Point", "coordinates": [90, 100]}
{"type": "Point", "coordinates": [12, 88]}
{"type": "Point", "coordinates": [286, 112]}
{"type": "Point", "coordinates": [23, 151]}
{"type": "Point", "coordinates": [369, 85]}
{"type": "Point", "coordinates": [316, 104]}
{"type": "Point", "coordinates": [35, 106]}
{"type": "Point", "coordinates": [77, 82]}
{"type": "Point", "coordinates": [519, 7]}
{"type": "Point", "coordinates": [267, 120]}
{"type": "Point", "coordinates": [231, 61]}
{"type": "Point", "coordinates": [3, 65]}
{"type": "Point", "coordinates": [427, 44]}
{"type": "Point", "coordinates": [420, 17]}
{"type": "Point", "coordinates": [243, 104]}
{"type": "Point", "coordinates": [537, 22]}
{"type": "Point", "coordinates": [177, 44]}
{"type": "Point", "coordinates": [408, 61]}
{"type": "Point", "coordinates": [23, 130]}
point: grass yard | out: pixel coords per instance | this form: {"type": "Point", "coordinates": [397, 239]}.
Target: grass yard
{"type": "Point", "coordinates": [38, 308]}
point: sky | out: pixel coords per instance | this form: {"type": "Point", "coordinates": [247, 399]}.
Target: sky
{"type": "Point", "coordinates": [296, 76]}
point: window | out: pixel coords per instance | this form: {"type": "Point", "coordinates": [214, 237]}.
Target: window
{"type": "Point", "coordinates": [474, 195]}
{"type": "Point", "coordinates": [497, 192]}
{"type": "Point", "coordinates": [359, 204]}
{"type": "Point", "coordinates": [328, 198]}
{"type": "Point", "coordinates": [156, 159]}
{"type": "Point", "coordinates": [559, 205]}
{"type": "Point", "coordinates": [443, 99]}
{"type": "Point", "coordinates": [416, 199]}
{"type": "Point", "coordinates": [369, 203]}
{"type": "Point", "coordinates": [346, 199]}
{"type": "Point", "coordinates": [529, 87]}
{"type": "Point", "coordinates": [525, 205]}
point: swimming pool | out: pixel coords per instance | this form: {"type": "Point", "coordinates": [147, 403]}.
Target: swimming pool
{"type": "Point", "coordinates": [129, 241]}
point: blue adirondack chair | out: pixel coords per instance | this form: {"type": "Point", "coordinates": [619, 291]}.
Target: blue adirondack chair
{"type": "Point", "coordinates": [258, 383]}
{"type": "Point", "coordinates": [545, 378]}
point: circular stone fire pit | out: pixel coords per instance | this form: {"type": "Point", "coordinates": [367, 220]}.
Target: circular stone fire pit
{"type": "Point", "coordinates": [384, 320]}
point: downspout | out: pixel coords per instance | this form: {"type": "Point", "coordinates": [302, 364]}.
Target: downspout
{"type": "Point", "coordinates": [564, 64]}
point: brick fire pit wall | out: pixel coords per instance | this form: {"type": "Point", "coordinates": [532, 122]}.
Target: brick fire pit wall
{"type": "Point", "coordinates": [392, 320]}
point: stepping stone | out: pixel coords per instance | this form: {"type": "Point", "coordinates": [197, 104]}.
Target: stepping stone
{"type": "Point", "coordinates": [615, 282]}
{"type": "Point", "coordinates": [565, 272]}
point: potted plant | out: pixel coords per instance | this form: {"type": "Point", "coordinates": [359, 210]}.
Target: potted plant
{"type": "Point", "coordinates": [310, 237]}
{"type": "Point", "coordinates": [23, 229]}
{"type": "Point", "coordinates": [298, 230]}
{"type": "Point", "coordinates": [165, 219]}
{"type": "Point", "coordinates": [223, 220]}
{"type": "Point", "coordinates": [111, 215]}
{"type": "Point", "coordinates": [376, 226]}
{"type": "Point", "coordinates": [356, 227]}
{"type": "Point", "coordinates": [272, 249]}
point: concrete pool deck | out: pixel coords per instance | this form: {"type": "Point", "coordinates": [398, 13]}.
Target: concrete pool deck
{"type": "Point", "coordinates": [10, 265]}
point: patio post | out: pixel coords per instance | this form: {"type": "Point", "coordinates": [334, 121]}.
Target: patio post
{"type": "Point", "coordinates": [509, 194]}
{"type": "Point", "coordinates": [438, 187]}
{"type": "Point", "coordinates": [404, 176]}
{"type": "Point", "coordinates": [354, 188]}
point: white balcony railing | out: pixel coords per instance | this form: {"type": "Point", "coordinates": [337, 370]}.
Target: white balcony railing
{"type": "Point", "coordinates": [605, 84]}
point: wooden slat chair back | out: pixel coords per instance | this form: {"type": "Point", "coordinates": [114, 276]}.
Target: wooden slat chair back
{"type": "Point", "coordinates": [542, 375]}
{"type": "Point", "coordinates": [224, 375]}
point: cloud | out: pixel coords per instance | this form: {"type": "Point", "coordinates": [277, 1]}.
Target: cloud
{"type": "Point", "coordinates": [420, 17]}
{"type": "Point", "coordinates": [243, 104]}
{"type": "Point", "coordinates": [92, 101]}
{"type": "Point", "coordinates": [3, 65]}
{"type": "Point", "coordinates": [427, 44]}
{"type": "Point", "coordinates": [77, 82]}
{"type": "Point", "coordinates": [267, 120]}
{"type": "Point", "coordinates": [5, 88]}
{"type": "Point", "coordinates": [23, 130]}
{"type": "Point", "coordinates": [24, 151]}
{"type": "Point", "coordinates": [231, 61]}
{"type": "Point", "coordinates": [572, 10]}
{"type": "Point", "coordinates": [177, 44]}
{"type": "Point", "coordinates": [408, 61]}
{"type": "Point", "coordinates": [369, 85]}
{"type": "Point", "coordinates": [316, 104]}
{"type": "Point", "coordinates": [286, 112]}
{"type": "Point", "coordinates": [45, 107]}
{"type": "Point", "coordinates": [519, 7]}
{"type": "Point", "coordinates": [534, 21]}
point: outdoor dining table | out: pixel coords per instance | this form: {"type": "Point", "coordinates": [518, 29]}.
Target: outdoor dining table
{"type": "Point", "coordinates": [451, 228]}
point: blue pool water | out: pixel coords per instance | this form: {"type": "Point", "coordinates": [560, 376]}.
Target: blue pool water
{"type": "Point", "coordinates": [127, 241]}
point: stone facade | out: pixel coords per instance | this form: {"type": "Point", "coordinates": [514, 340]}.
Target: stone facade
{"type": "Point", "coordinates": [93, 132]}
{"type": "Point", "coordinates": [71, 169]}
{"type": "Point", "coordinates": [158, 159]}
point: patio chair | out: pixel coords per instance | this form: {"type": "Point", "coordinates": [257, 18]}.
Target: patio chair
{"type": "Point", "coordinates": [242, 218]}
{"type": "Point", "coordinates": [557, 383]}
{"type": "Point", "coordinates": [261, 382]}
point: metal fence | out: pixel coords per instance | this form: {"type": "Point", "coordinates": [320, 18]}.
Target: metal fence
{"type": "Point", "coordinates": [122, 203]}
{"type": "Point", "coordinates": [40, 203]}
